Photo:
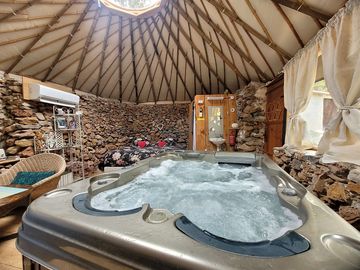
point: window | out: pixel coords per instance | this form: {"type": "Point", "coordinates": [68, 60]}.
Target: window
{"type": "Point", "coordinates": [132, 7]}
{"type": "Point", "coordinates": [317, 114]}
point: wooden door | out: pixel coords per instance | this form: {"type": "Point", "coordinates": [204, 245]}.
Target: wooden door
{"type": "Point", "coordinates": [275, 116]}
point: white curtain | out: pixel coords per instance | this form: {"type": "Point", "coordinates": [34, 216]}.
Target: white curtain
{"type": "Point", "coordinates": [340, 47]}
{"type": "Point", "coordinates": [299, 77]}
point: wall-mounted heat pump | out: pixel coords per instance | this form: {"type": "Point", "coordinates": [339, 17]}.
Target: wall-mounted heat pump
{"type": "Point", "coordinates": [50, 95]}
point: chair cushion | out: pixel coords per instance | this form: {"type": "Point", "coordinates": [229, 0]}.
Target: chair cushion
{"type": "Point", "coordinates": [30, 178]}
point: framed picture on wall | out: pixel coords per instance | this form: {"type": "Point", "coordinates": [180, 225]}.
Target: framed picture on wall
{"type": "Point", "coordinates": [71, 123]}
{"type": "Point", "coordinates": [61, 123]}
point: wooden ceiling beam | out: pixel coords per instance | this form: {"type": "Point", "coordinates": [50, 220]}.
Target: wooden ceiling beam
{"type": "Point", "coordinates": [203, 43]}
{"type": "Point", "coordinates": [142, 86]}
{"type": "Point", "coordinates": [14, 12]}
{"type": "Point", "coordinates": [196, 49]}
{"type": "Point", "coordinates": [234, 17]}
{"type": "Point", "coordinates": [120, 56]}
{"type": "Point", "coordinates": [263, 27]}
{"type": "Point", "coordinates": [151, 77]}
{"type": "Point", "coordinates": [55, 20]}
{"type": "Point", "coordinates": [133, 62]}
{"type": "Point", "coordinates": [160, 61]}
{"type": "Point", "coordinates": [176, 40]}
{"type": "Point", "coordinates": [173, 61]}
{"type": "Point", "coordinates": [85, 49]}
{"type": "Point", "coordinates": [105, 45]}
{"type": "Point", "coordinates": [289, 23]}
{"type": "Point", "coordinates": [151, 63]}
{"type": "Point", "coordinates": [110, 77]}
{"type": "Point", "coordinates": [208, 40]}
{"type": "Point", "coordinates": [68, 40]}
{"type": "Point", "coordinates": [300, 7]}
{"type": "Point", "coordinates": [235, 26]}
{"type": "Point", "coordinates": [166, 46]}
{"type": "Point", "coordinates": [220, 43]}
{"type": "Point", "coordinates": [233, 39]}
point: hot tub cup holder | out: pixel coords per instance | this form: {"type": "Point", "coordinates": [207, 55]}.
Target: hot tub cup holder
{"type": "Point", "coordinates": [343, 247]}
{"type": "Point", "coordinates": [157, 216]}
{"type": "Point", "coordinates": [102, 180]}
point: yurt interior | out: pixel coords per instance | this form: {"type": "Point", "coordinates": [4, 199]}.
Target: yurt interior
{"type": "Point", "coordinates": [179, 134]}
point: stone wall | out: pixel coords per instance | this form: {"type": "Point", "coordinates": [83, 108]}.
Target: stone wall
{"type": "Point", "coordinates": [336, 184]}
{"type": "Point", "coordinates": [20, 120]}
{"type": "Point", "coordinates": [107, 124]}
{"type": "Point", "coordinates": [251, 106]}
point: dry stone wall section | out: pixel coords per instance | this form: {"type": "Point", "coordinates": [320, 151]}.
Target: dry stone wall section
{"type": "Point", "coordinates": [336, 184]}
{"type": "Point", "coordinates": [107, 124]}
{"type": "Point", "coordinates": [251, 107]}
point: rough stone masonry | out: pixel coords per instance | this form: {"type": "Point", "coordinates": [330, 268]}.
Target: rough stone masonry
{"type": "Point", "coordinates": [107, 124]}
{"type": "Point", "coordinates": [336, 184]}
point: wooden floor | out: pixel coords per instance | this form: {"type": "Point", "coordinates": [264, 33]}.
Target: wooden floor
{"type": "Point", "coordinates": [10, 258]}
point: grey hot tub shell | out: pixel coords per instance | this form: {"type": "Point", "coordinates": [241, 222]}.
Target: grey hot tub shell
{"type": "Point", "coordinates": [56, 235]}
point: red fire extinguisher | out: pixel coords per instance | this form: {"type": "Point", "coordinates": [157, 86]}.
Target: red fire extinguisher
{"type": "Point", "coordinates": [232, 138]}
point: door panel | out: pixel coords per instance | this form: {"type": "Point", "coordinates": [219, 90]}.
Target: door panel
{"type": "Point", "coordinates": [275, 114]}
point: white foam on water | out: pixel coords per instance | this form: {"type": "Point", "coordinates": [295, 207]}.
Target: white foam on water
{"type": "Point", "coordinates": [236, 203]}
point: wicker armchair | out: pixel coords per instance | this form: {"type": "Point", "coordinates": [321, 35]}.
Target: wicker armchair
{"type": "Point", "coordinates": [40, 162]}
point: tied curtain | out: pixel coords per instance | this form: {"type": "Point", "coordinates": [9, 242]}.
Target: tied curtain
{"type": "Point", "coordinates": [299, 77]}
{"type": "Point", "coordinates": [340, 47]}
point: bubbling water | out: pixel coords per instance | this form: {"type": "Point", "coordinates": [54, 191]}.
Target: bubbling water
{"type": "Point", "coordinates": [233, 202]}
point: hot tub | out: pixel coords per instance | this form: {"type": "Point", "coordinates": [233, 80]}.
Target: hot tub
{"type": "Point", "coordinates": [69, 229]}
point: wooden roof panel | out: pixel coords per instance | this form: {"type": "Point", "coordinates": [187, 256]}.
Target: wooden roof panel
{"type": "Point", "coordinates": [190, 47]}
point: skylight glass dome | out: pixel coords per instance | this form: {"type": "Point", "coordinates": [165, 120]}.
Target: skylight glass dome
{"type": "Point", "coordinates": [133, 7]}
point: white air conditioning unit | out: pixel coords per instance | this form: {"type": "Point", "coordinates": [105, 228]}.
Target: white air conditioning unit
{"type": "Point", "coordinates": [50, 95]}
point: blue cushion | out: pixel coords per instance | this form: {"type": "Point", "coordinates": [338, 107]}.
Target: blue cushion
{"type": "Point", "coordinates": [30, 178]}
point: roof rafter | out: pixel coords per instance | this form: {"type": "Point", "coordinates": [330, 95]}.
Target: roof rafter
{"type": "Point", "coordinates": [41, 34]}
{"type": "Point", "coordinates": [209, 41]}
{"type": "Point", "coordinates": [68, 40]}
{"type": "Point", "coordinates": [133, 61]}
{"type": "Point", "coordinates": [105, 45]}
{"type": "Point", "coordinates": [263, 27]}
{"type": "Point", "coordinates": [85, 49]}
{"type": "Point", "coordinates": [160, 61]}
{"type": "Point", "coordinates": [173, 61]}
{"type": "Point", "coordinates": [233, 16]}
{"type": "Point", "coordinates": [300, 7]}
{"type": "Point", "coordinates": [14, 12]}
{"type": "Point", "coordinates": [151, 77]}
{"type": "Point", "coordinates": [176, 40]}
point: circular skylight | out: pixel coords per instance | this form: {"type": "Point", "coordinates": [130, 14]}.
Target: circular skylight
{"type": "Point", "coordinates": [132, 7]}
{"type": "Point", "coordinates": [135, 4]}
